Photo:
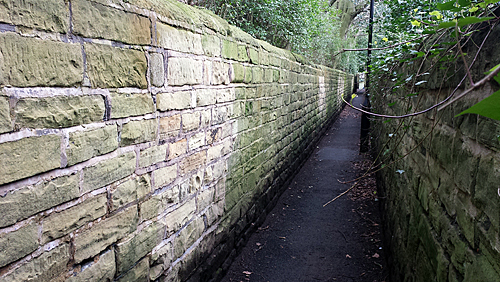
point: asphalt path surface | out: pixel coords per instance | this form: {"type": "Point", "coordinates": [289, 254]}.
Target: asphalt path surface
{"type": "Point", "coordinates": [301, 240]}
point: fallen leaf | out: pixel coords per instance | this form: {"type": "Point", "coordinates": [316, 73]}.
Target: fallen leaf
{"type": "Point", "coordinates": [282, 237]}
{"type": "Point", "coordinates": [376, 255]}
{"type": "Point", "coordinates": [247, 272]}
{"type": "Point", "coordinates": [258, 244]}
{"type": "Point", "coordinates": [347, 256]}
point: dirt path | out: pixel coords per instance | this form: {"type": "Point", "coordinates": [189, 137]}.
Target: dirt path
{"type": "Point", "coordinates": [303, 241]}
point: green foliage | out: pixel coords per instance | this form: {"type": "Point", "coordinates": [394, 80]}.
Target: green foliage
{"type": "Point", "coordinates": [306, 27]}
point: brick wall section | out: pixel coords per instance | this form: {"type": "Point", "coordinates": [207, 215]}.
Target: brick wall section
{"type": "Point", "coordinates": [141, 140]}
{"type": "Point", "coordinates": [443, 211]}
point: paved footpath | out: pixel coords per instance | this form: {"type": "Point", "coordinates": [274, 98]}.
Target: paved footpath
{"type": "Point", "coordinates": [303, 241]}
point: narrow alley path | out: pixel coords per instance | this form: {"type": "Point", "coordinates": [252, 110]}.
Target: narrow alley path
{"type": "Point", "coordinates": [303, 241]}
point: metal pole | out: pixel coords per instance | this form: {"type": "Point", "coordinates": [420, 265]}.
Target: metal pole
{"type": "Point", "coordinates": [365, 122]}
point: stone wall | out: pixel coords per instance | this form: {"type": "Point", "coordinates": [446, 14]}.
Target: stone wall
{"type": "Point", "coordinates": [143, 139]}
{"type": "Point", "coordinates": [442, 201]}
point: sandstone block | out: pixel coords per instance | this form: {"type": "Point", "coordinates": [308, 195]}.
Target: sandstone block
{"type": "Point", "coordinates": [188, 236]}
{"type": "Point", "coordinates": [242, 53]}
{"type": "Point", "coordinates": [184, 71]}
{"type": "Point", "coordinates": [254, 56]}
{"type": "Point", "coordinates": [248, 75]}
{"type": "Point", "coordinates": [193, 162]}
{"type": "Point", "coordinates": [205, 198]}
{"type": "Point", "coordinates": [84, 145]}
{"type": "Point", "coordinates": [205, 97]}
{"type": "Point", "coordinates": [229, 50]}
{"type": "Point", "coordinates": [206, 118]}
{"type": "Point", "coordinates": [105, 233]}
{"type": "Point", "coordinates": [211, 45]}
{"type": "Point", "coordinates": [43, 268]}
{"type": "Point", "coordinates": [225, 95]}
{"type": "Point", "coordinates": [103, 269]}
{"type": "Point", "coordinates": [108, 171]}
{"type": "Point", "coordinates": [130, 191]}
{"type": "Point", "coordinates": [50, 15]}
{"type": "Point", "coordinates": [179, 217]}
{"type": "Point", "coordinates": [131, 104]}
{"type": "Point", "coordinates": [196, 141]}
{"type": "Point", "coordinates": [220, 115]}
{"type": "Point", "coordinates": [139, 131]}
{"type": "Point", "coordinates": [177, 149]}
{"type": "Point", "coordinates": [17, 244]}
{"type": "Point", "coordinates": [61, 223]}
{"type": "Point", "coordinates": [139, 273]}
{"type": "Point", "coordinates": [98, 21]}
{"type": "Point", "coordinates": [220, 73]}
{"type": "Point", "coordinates": [160, 260]}
{"type": "Point", "coordinates": [111, 67]}
{"type": "Point", "coordinates": [174, 101]}
{"type": "Point", "coordinates": [39, 154]}
{"type": "Point", "coordinates": [50, 63]}
{"type": "Point", "coordinates": [30, 200]}
{"type": "Point", "coordinates": [153, 155]}
{"type": "Point", "coordinates": [5, 119]}
{"type": "Point", "coordinates": [178, 40]}
{"type": "Point", "coordinates": [157, 69]}
{"type": "Point", "coordinates": [58, 112]}
{"type": "Point", "coordinates": [159, 202]}
{"type": "Point", "coordinates": [170, 126]}
{"type": "Point", "coordinates": [257, 75]}
{"type": "Point", "coordinates": [136, 246]}
{"type": "Point", "coordinates": [165, 175]}
{"type": "Point", "coordinates": [239, 73]}
{"type": "Point", "coordinates": [190, 121]}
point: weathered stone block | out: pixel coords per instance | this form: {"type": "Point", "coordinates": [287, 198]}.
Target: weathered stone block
{"type": "Point", "coordinates": [188, 236]}
{"type": "Point", "coordinates": [165, 175]}
{"type": "Point", "coordinates": [43, 268]}
{"type": "Point", "coordinates": [175, 101]}
{"type": "Point", "coordinates": [108, 171]}
{"type": "Point", "coordinates": [157, 204]}
{"type": "Point", "coordinates": [257, 75]}
{"type": "Point", "coordinates": [105, 233]}
{"type": "Point", "coordinates": [248, 75]}
{"type": "Point", "coordinates": [139, 273]}
{"type": "Point", "coordinates": [220, 73]}
{"type": "Point", "coordinates": [50, 63]}
{"type": "Point", "coordinates": [5, 119]}
{"type": "Point", "coordinates": [239, 73]}
{"type": "Point", "coordinates": [179, 217]}
{"type": "Point", "coordinates": [229, 50]}
{"type": "Point", "coordinates": [111, 67]}
{"type": "Point", "coordinates": [206, 118]}
{"type": "Point", "coordinates": [17, 244]}
{"type": "Point", "coordinates": [58, 224]}
{"type": "Point", "coordinates": [30, 200]}
{"type": "Point", "coordinates": [170, 126]}
{"type": "Point", "coordinates": [131, 104]}
{"type": "Point", "coordinates": [178, 40]}
{"type": "Point", "coordinates": [160, 260]}
{"type": "Point", "coordinates": [95, 20]}
{"type": "Point", "coordinates": [193, 162]}
{"type": "Point", "coordinates": [242, 53]}
{"type": "Point", "coordinates": [130, 191]}
{"type": "Point", "coordinates": [39, 154]}
{"type": "Point", "coordinates": [153, 155]}
{"type": "Point", "coordinates": [103, 269]}
{"type": "Point", "coordinates": [225, 95]}
{"type": "Point", "coordinates": [51, 15]}
{"type": "Point", "coordinates": [205, 97]}
{"type": "Point", "coordinates": [211, 45]}
{"type": "Point", "coordinates": [184, 71]}
{"type": "Point", "coordinates": [84, 145]}
{"type": "Point", "coordinates": [190, 121]}
{"type": "Point", "coordinates": [139, 131]}
{"type": "Point", "coordinates": [196, 141]}
{"type": "Point", "coordinates": [254, 56]}
{"type": "Point", "coordinates": [136, 246]}
{"type": "Point", "coordinates": [58, 112]}
{"type": "Point", "coordinates": [177, 149]}
{"type": "Point", "coordinates": [157, 69]}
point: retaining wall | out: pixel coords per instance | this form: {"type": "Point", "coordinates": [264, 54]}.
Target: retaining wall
{"type": "Point", "coordinates": [143, 139]}
{"type": "Point", "coordinates": [442, 201]}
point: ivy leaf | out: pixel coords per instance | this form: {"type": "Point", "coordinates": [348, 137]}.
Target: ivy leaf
{"type": "Point", "coordinates": [447, 24]}
{"type": "Point", "coordinates": [464, 3]}
{"type": "Point", "coordinates": [488, 107]}
{"type": "Point", "coordinates": [447, 5]}
{"type": "Point", "coordinates": [491, 1]}
{"type": "Point", "coordinates": [472, 20]}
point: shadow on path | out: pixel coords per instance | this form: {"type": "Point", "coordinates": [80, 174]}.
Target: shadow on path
{"type": "Point", "coordinates": [301, 240]}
